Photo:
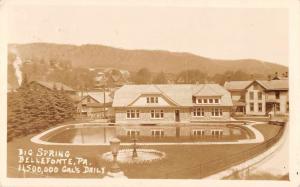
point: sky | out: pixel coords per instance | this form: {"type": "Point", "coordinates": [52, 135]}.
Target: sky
{"type": "Point", "coordinates": [220, 33]}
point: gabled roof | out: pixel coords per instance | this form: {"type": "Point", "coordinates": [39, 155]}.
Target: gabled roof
{"type": "Point", "coordinates": [280, 78]}
{"type": "Point", "coordinates": [181, 94]}
{"type": "Point", "coordinates": [51, 85]}
{"type": "Point", "coordinates": [207, 90]}
{"type": "Point", "coordinates": [236, 85]}
{"type": "Point", "coordinates": [267, 84]}
{"type": "Point", "coordinates": [99, 97]}
{"type": "Point", "coordinates": [152, 89]}
{"type": "Point", "coordinates": [275, 84]}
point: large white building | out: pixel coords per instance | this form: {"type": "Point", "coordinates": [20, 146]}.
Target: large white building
{"type": "Point", "coordinates": [169, 103]}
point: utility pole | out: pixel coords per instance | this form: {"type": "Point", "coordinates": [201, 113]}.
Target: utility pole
{"type": "Point", "coordinates": [104, 112]}
{"type": "Point", "coordinates": [104, 97]}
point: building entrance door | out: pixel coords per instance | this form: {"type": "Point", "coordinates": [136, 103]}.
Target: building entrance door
{"type": "Point", "coordinates": [177, 115]}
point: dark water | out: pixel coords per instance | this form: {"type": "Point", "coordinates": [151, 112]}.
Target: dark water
{"type": "Point", "coordinates": [84, 135]}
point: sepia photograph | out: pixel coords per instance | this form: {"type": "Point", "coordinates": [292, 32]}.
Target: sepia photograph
{"type": "Point", "coordinates": [139, 90]}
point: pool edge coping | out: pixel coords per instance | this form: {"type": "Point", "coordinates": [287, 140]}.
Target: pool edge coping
{"type": "Point", "coordinates": [259, 138]}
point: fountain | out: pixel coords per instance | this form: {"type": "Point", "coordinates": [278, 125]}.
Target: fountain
{"type": "Point", "coordinates": [134, 155]}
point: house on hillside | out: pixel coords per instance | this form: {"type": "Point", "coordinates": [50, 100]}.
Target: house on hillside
{"type": "Point", "coordinates": [169, 103]}
{"type": "Point", "coordinates": [52, 86]}
{"type": "Point", "coordinates": [96, 105]}
{"type": "Point", "coordinates": [111, 77]}
{"type": "Point", "coordinates": [259, 97]}
{"type": "Point", "coordinates": [283, 76]}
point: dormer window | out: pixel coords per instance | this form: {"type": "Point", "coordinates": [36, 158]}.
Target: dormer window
{"type": "Point", "coordinates": [152, 99]}
{"type": "Point", "coordinates": [194, 99]}
{"type": "Point", "coordinates": [207, 100]}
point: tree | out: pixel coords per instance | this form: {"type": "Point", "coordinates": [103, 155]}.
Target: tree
{"type": "Point", "coordinates": [191, 77]}
{"type": "Point", "coordinates": [160, 78]}
{"type": "Point", "coordinates": [143, 76]}
{"type": "Point", "coordinates": [32, 110]}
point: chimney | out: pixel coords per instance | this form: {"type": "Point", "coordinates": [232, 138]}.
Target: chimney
{"type": "Point", "coordinates": [252, 77]}
{"type": "Point", "coordinates": [228, 78]}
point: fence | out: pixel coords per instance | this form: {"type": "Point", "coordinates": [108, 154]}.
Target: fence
{"type": "Point", "coordinates": [213, 166]}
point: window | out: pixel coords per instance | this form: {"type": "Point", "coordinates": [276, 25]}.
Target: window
{"type": "Point", "coordinates": [194, 99]}
{"type": "Point", "coordinates": [88, 99]}
{"type": "Point", "coordinates": [259, 95]}
{"type": "Point", "coordinates": [207, 100]}
{"type": "Point", "coordinates": [277, 95]}
{"type": "Point", "coordinates": [251, 107]}
{"type": "Point", "coordinates": [198, 112]}
{"type": "Point", "coordinates": [251, 95]}
{"type": "Point", "coordinates": [216, 132]}
{"type": "Point", "coordinates": [255, 86]}
{"type": "Point", "coordinates": [287, 107]}
{"type": "Point", "coordinates": [152, 99]}
{"type": "Point", "coordinates": [133, 114]}
{"type": "Point", "coordinates": [216, 112]}
{"type": "Point", "coordinates": [157, 114]}
{"type": "Point", "coordinates": [157, 133]}
{"type": "Point", "coordinates": [133, 133]}
{"type": "Point", "coordinates": [277, 107]}
{"type": "Point", "coordinates": [198, 132]}
{"type": "Point", "coordinates": [260, 107]}
{"type": "Point", "coordinates": [199, 100]}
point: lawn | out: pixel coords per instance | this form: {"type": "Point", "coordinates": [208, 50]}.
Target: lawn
{"type": "Point", "coordinates": [268, 130]}
{"type": "Point", "coordinates": [179, 163]}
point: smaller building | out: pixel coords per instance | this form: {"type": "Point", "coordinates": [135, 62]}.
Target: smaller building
{"type": "Point", "coordinates": [96, 105]}
{"type": "Point", "coordinates": [259, 97]}
{"type": "Point", "coordinates": [52, 86]}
